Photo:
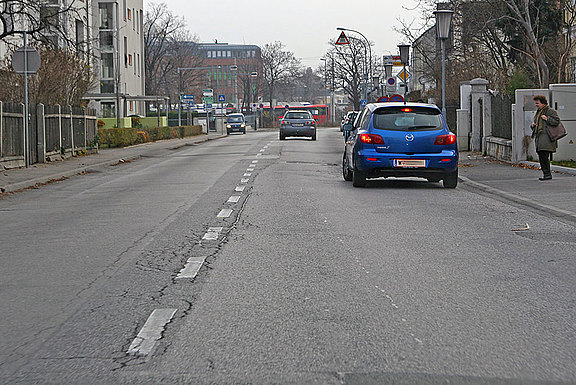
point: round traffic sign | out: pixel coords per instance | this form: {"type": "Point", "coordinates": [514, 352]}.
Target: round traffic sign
{"type": "Point", "coordinates": [391, 81]}
{"type": "Point", "coordinates": [396, 98]}
{"type": "Point", "coordinates": [383, 99]}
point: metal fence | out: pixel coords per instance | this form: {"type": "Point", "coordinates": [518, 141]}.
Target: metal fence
{"type": "Point", "coordinates": [54, 131]}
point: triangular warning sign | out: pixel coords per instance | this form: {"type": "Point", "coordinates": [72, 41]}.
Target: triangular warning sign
{"type": "Point", "coordinates": [342, 39]}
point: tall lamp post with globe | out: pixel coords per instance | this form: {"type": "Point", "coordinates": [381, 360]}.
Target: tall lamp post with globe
{"type": "Point", "coordinates": [443, 22]}
{"type": "Point", "coordinates": [405, 59]}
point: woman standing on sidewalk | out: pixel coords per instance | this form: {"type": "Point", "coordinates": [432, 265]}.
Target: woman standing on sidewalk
{"type": "Point", "coordinates": [544, 146]}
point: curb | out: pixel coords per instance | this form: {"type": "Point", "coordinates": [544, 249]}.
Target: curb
{"type": "Point", "coordinates": [564, 170]}
{"type": "Point", "coordinates": [564, 214]}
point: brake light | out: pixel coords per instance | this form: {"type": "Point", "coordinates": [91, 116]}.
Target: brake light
{"type": "Point", "coordinates": [445, 139]}
{"type": "Point", "coordinates": [406, 110]}
{"type": "Point", "coordinates": [283, 122]}
{"type": "Point", "coordinates": [371, 139]}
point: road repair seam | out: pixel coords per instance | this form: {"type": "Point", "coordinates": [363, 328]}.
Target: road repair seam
{"type": "Point", "coordinates": [521, 200]}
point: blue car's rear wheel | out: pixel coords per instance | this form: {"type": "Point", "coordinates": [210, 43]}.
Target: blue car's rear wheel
{"type": "Point", "coordinates": [450, 180]}
{"type": "Point", "coordinates": [358, 178]}
{"type": "Point", "coordinates": [346, 173]}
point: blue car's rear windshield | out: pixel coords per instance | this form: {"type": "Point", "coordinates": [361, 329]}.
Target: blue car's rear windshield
{"type": "Point", "coordinates": [407, 118]}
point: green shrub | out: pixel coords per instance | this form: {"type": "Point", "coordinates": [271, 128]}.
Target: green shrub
{"type": "Point", "coordinates": [118, 137]}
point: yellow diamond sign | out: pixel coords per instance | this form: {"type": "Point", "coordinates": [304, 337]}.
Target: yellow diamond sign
{"type": "Point", "coordinates": [404, 75]}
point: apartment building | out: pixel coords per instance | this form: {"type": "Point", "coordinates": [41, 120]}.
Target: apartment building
{"type": "Point", "coordinates": [119, 57]}
{"type": "Point", "coordinates": [231, 70]}
{"type": "Point", "coordinates": [106, 33]}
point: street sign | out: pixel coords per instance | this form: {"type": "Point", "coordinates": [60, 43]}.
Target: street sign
{"type": "Point", "coordinates": [396, 98]}
{"type": "Point", "coordinates": [32, 59]}
{"type": "Point", "coordinates": [404, 75]}
{"type": "Point", "coordinates": [391, 81]}
{"type": "Point", "coordinates": [342, 39]}
{"type": "Point", "coordinates": [382, 99]}
{"type": "Point", "coordinates": [392, 60]}
{"type": "Point", "coordinates": [208, 92]}
{"type": "Point", "coordinates": [208, 99]}
{"type": "Point", "coordinates": [363, 103]}
{"type": "Point", "coordinates": [221, 98]}
{"type": "Point", "coordinates": [188, 97]}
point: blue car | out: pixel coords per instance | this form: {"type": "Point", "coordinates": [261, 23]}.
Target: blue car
{"type": "Point", "coordinates": [400, 140]}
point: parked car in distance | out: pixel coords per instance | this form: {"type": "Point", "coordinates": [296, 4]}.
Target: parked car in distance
{"type": "Point", "coordinates": [348, 118]}
{"type": "Point", "coordinates": [297, 123]}
{"type": "Point", "coordinates": [400, 140]}
{"type": "Point", "coordinates": [235, 123]}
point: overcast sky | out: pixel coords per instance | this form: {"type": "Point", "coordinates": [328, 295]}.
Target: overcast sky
{"type": "Point", "coordinates": [304, 26]}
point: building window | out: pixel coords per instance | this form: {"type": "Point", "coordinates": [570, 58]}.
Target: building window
{"type": "Point", "coordinates": [209, 54]}
{"type": "Point", "coordinates": [129, 14]}
{"type": "Point", "coordinates": [229, 54]}
{"type": "Point", "coordinates": [107, 64]}
{"type": "Point", "coordinates": [130, 59]}
{"type": "Point", "coordinates": [108, 110]}
{"type": "Point", "coordinates": [107, 86]}
{"type": "Point", "coordinates": [106, 13]}
{"type": "Point", "coordinates": [106, 40]}
{"type": "Point", "coordinates": [131, 105]}
{"type": "Point", "coordinates": [219, 53]}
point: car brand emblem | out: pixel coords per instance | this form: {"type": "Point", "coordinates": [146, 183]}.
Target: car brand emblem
{"type": "Point", "coordinates": [409, 137]}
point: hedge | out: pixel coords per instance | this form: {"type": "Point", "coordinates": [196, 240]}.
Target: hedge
{"type": "Point", "coordinates": [120, 137]}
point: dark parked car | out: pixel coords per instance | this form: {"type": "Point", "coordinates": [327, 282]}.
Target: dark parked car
{"type": "Point", "coordinates": [400, 140]}
{"type": "Point", "coordinates": [297, 123]}
{"type": "Point", "coordinates": [235, 123]}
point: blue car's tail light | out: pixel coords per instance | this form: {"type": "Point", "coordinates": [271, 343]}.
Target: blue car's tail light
{"type": "Point", "coordinates": [445, 139]}
{"type": "Point", "coordinates": [371, 139]}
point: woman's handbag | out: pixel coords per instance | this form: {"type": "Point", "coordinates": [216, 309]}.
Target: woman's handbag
{"type": "Point", "coordinates": [556, 132]}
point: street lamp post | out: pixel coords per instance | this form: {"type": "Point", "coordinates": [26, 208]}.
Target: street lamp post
{"type": "Point", "coordinates": [324, 93]}
{"type": "Point", "coordinates": [368, 71]}
{"type": "Point", "coordinates": [443, 21]}
{"type": "Point", "coordinates": [405, 59]}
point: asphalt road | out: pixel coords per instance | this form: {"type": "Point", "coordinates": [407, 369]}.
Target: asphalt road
{"type": "Point", "coordinates": [303, 278]}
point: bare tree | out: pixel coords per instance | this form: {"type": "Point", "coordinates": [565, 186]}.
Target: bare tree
{"type": "Point", "coordinates": [63, 79]}
{"type": "Point", "coordinates": [278, 66]}
{"type": "Point", "coordinates": [167, 47]}
{"type": "Point", "coordinates": [349, 60]}
{"type": "Point", "coordinates": [41, 22]}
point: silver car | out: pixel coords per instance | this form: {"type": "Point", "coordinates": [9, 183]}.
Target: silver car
{"type": "Point", "coordinates": [298, 123]}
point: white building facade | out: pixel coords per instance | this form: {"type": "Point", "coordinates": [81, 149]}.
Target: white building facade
{"type": "Point", "coordinates": [118, 35]}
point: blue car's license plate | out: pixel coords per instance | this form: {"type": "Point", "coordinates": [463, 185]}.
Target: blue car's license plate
{"type": "Point", "coordinates": [416, 163]}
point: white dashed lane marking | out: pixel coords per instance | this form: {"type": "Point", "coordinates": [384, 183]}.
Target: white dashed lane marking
{"type": "Point", "coordinates": [249, 169]}
{"type": "Point", "coordinates": [234, 199]}
{"type": "Point", "coordinates": [212, 233]}
{"type": "Point", "coordinates": [151, 332]}
{"type": "Point", "coordinates": [191, 268]}
{"type": "Point", "coordinates": [244, 180]}
{"type": "Point", "coordinates": [225, 213]}
{"type": "Point", "coordinates": [239, 188]}
{"type": "Point", "coordinates": [247, 174]}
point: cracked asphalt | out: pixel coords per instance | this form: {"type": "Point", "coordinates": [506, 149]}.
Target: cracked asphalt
{"type": "Point", "coordinates": [309, 281]}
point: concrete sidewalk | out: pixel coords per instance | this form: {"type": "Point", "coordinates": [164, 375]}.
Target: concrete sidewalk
{"type": "Point", "coordinates": [37, 174]}
{"type": "Point", "coordinates": [519, 183]}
